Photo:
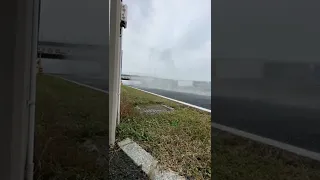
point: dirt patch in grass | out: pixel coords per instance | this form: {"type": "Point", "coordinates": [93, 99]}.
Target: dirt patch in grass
{"type": "Point", "coordinates": [179, 139]}
{"type": "Point", "coordinates": [72, 133]}
{"type": "Point", "coordinates": [242, 159]}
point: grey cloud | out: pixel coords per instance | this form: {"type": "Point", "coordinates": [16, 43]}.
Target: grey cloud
{"type": "Point", "coordinates": [146, 8]}
{"type": "Point", "coordinates": [198, 33]}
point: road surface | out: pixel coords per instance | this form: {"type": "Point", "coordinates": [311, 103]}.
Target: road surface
{"type": "Point", "coordinates": [198, 100]}
{"type": "Point", "coordinates": [88, 80]}
{"type": "Point", "coordinates": [194, 99]}
{"type": "Point", "coordinates": [297, 126]}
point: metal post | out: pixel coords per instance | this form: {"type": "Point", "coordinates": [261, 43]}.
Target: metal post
{"type": "Point", "coordinates": [119, 79]}
{"type": "Point", "coordinates": [32, 91]}
{"type": "Point", "coordinates": [123, 24]}
{"type": "Point", "coordinates": [17, 50]}
{"type": "Point", "coordinates": [113, 67]}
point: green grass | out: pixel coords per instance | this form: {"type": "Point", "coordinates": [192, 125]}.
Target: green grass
{"type": "Point", "coordinates": [180, 139]}
{"type": "Point", "coordinates": [67, 116]}
{"type": "Point", "coordinates": [242, 159]}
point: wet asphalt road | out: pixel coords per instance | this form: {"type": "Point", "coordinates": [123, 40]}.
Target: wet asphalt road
{"type": "Point", "coordinates": [88, 80]}
{"type": "Point", "coordinates": [198, 100]}
{"type": "Point", "coordinates": [293, 125]}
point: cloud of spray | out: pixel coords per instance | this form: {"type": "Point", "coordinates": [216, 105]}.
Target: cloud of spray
{"type": "Point", "coordinates": [146, 82]}
{"type": "Point", "coordinates": [163, 42]}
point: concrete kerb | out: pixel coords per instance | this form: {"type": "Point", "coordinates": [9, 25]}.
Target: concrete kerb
{"type": "Point", "coordinates": [148, 163]}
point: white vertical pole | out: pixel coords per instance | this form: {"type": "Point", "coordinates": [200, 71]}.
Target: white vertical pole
{"type": "Point", "coordinates": [123, 25]}
{"type": "Point", "coordinates": [113, 67]}
{"type": "Point", "coordinates": [120, 65]}
{"type": "Point", "coordinates": [16, 51]}
{"type": "Point", "coordinates": [32, 92]}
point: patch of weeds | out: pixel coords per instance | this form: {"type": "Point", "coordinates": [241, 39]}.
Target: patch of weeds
{"type": "Point", "coordinates": [180, 140]}
{"type": "Point", "coordinates": [174, 123]}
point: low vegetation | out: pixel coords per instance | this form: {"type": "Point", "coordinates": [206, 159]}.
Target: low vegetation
{"type": "Point", "coordinates": [71, 131]}
{"type": "Point", "coordinates": [179, 139]}
{"type": "Point", "coordinates": [71, 136]}
{"type": "Point", "coordinates": [242, 159]}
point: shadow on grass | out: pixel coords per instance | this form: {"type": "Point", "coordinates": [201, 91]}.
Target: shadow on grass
{"type": "Point", "coordinates": [72, 135]}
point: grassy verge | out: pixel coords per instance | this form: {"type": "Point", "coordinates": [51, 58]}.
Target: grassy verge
{"type": "Point", "coordinates": [242, 159]}
{"type": "Point", "coordinates": [70, 130]}
{"type": "Point", "coordinates": [180, 140]}
{"type": "Point", "coordinates": [71, 133]}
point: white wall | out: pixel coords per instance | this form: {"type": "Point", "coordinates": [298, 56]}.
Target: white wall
{"type": "Point", "coordinates": [185, 83]}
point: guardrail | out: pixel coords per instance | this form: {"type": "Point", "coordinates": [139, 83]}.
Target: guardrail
{"type": "Point", "coordinates": [125, 77]}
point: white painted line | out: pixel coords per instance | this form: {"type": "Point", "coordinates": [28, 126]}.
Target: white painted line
{"type": "Point", "coordinates": [148, 163]}
{"type": "Point", "coordinates": [184, 103]}
{"type": "Point", "coordinates": [80, 84]}
{"type": "Point", "coordinates": [271, 142]}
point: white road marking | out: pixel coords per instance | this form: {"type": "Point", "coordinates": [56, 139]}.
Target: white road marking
{"type": "Point", "coordinates": [91, 87]}
{"type": "Point", "coordinates": [271, 142]}
{"type": "Point", "coordinates": [184, 103]}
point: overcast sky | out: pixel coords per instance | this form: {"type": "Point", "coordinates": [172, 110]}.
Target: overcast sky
{"type": "Point", "coordinates": [168, 38]}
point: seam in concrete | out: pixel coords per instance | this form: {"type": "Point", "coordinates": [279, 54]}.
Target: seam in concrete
{"type": "Point", "coordinates": [80, 84]}
{"type": "Point", "coordinates": [271, 142]}
{"type": "Point", "coordinates": [184, 103]}
{"type": "Point", "coordinates": [148, 163]}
